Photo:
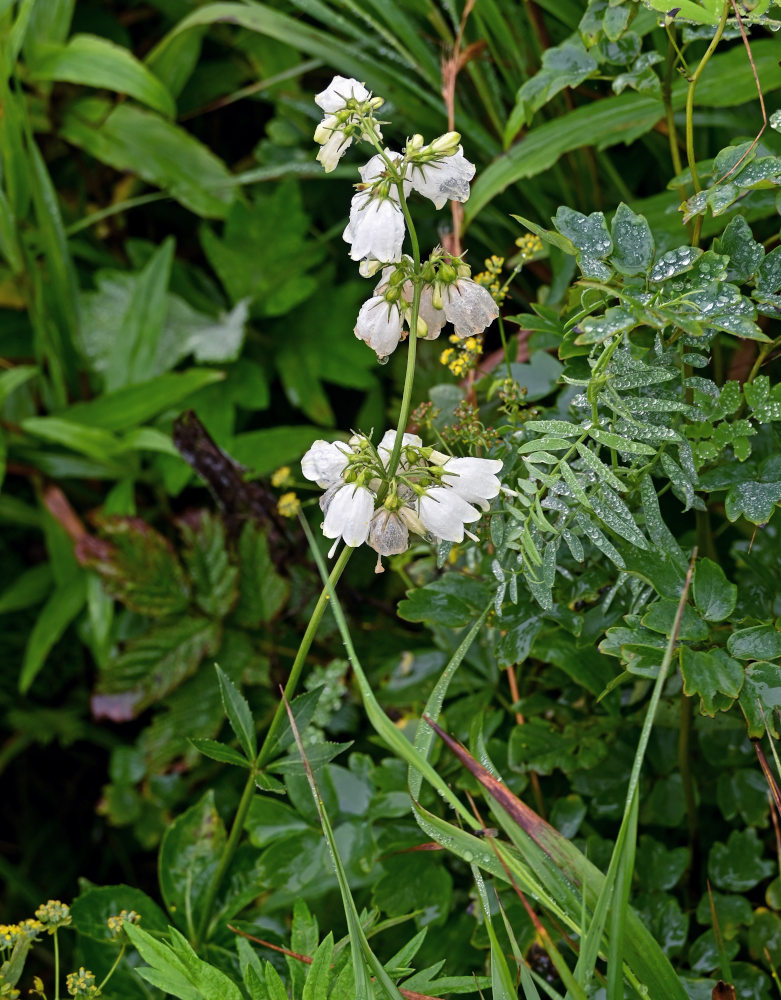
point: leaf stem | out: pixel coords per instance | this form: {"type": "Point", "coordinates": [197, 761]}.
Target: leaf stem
{"type": "Point", "coordinates": [56, 967]}
{"type": "Point", "coordinates": [691, 159]}
{"type": "Point", "coordinates": [113, 968]}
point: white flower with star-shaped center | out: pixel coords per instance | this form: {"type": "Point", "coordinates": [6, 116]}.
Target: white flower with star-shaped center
{"type": "Point", "coordinates": [338, 92]}
{"type": "Point", "coordinates": [442, 180]}
{"type": "Point", "coordinates": [325, 462]}
{"type": "Point", "coordinates": [380, 325]}
{"type": "Point", "coordinates": [469, 307]}
{"type": "Point", "coordinates": [444, 513]}
{"type": "Point", "coordinates": [349, 513]}
{"type": "Point", "coordinates": [473, 479]}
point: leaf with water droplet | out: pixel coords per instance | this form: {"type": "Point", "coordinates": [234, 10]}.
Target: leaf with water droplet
{"type": "Point", "coordinates": [753, 500]}
{"type": "Point", "coordinates": [674, 262]}
{"type": "Point", "coordinates": [714, 676]}
{"type": "Point", "coordinates": [589, 233]}
{"type": "Point", "coordinates": [761, 687]}
{"type": "Point", "coordinates": [633, 243]}
{"type": "Point", "coordinates": [745, 254]}
{"type": "Point", "coordinates": [769, 273]}
{"type": "Point", "coordinates": [595, 329]}
{"type": "Point", "coordinates": [721, 196]}
{"type": "Point", "coordinates": [714, 595]}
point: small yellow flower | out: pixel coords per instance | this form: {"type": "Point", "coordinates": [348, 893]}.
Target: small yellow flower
{"type": "Point", "coordinates": [281, 477]}
{"type": "Point", "coordinates": [289, 505]}
{"type": "Point", "coordinates": [116, 923]}
{"type": "Point", "coordinates": [82, 984]}
{"type": "Point", "coordinates": [446, 355]}
{"type": "Point", "coordinates": [470, 344]}
{"type": "Point", "coordinates": [53, 915]}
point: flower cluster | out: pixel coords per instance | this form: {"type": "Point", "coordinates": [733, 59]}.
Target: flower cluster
{"type": "Point", "coordinates": [11, 933]}
{"type": "Point", "coordinates": [430, 493]}
{"type": "Point", "coordinates": [117, 922]}
{"type": "Point", "coordinates": [377, 226]}
{"type": "Point", "coordinates": [462, 357]}
{"type": "Point", "coordinates": [53, 915]}
{"type": "Point", "coordinates": [82, 984]}
{"type": "Point", "coordinates": [491, 278]}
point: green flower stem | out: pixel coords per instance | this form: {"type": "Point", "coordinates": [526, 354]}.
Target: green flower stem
{"type": "Point", "coordinates": [267, 748]}
{"type": "Point", "coordinates": [693, 80]}
{"type": "Point", "coordinates": [673, 55]}
{"type": "Point", "coordinates": [113, 968]}
{"type": "Point", "coordinates": [56, 967]}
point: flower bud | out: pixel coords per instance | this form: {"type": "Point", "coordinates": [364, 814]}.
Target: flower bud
{"type": "Point", "coordinates": [447, 274]}
{"type": "Point", "coordinates": [446, 144]}
{"type": "Point", "coordinates": [415, 143]}
{"type": "Point", "coordinates": [422, 327]}
{"type": "Point", "coordinates": [436, 295]}
{"type": "Point", "coordinates": [376, 102]}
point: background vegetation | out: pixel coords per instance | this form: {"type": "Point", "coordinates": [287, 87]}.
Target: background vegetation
{"type": "Point", "coordinates": [176, 310]}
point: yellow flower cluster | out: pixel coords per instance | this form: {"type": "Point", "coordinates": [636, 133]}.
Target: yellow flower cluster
{"type": "Point", "coordinates": [116, 923]}
{"type": "Point", "coordinates": [490, 278]}
{"type": "Point", "coordinates": [82, 984]}
{"type": "Point", "coordinates": [11, 933]}
{"type": "Point", "coordinates": [289, 505]}
{"type": "Point", "coordinates": [529, 245]}
{"type": "Point", "coordinates": [463, 358]}
{"type": "Point", "coordinates": [281, 477]}
{"type": "Point", "coordinates": [53, 915]}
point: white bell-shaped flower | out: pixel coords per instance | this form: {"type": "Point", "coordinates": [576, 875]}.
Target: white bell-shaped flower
{"type": "Point", "coordinates": [376, 228]}
{"type": "Point", "coordinates": [469, 307]}
{"type": "Point", "coordinates": [333, 143]}
{"type": "Point", "coordinates": [388, 533]}
{"type": "Point", "coordinates": [380, 324]}
{"type": "Point", "coordinates": [349, 513]}
{"type": "Point", "coordinates": [325, 462]}
{"type": "Point", "coordinates": [473, 479]}
{"type": "Point", "coordinates": [444, 513]}
{"type": "Point", "coordinates": [443, 180]}
{"type": "Point", "coordinates": [433, 317]}
{"type": "Point", "coordinates": [385, 447]}
{"type": "Point", "coordinates": [338, 92]}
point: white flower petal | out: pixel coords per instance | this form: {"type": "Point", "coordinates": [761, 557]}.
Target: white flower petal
{"type": "Point", "coordinates": [388, 533]}
{"type": "Point", "coordinates": [376, 228]}
{"type": "Point", "coordinates": [444, 513]}
{"type": "Point", "coordinates": [385, 447]}
{"type": "Point", "coordinates": [349, 514]}
{"type": "Point", "coordinates": [338, 92]}
{"type": "Point", "coordinates": [469, 307]}
{"type": "Point", "coordinates": [443, 180]}
{"type": "Point", "coordinates": [473, 479]}
{"type": "Point", "coordinates": [325, 462]}
{"type": "Point", "coordinates": [332, 150]}
{"type": "Point", "coordinates": [380, 325]}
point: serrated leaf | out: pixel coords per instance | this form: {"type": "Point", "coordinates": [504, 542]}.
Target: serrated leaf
{"type": "Point", "coordinates": [760, 698]}
{"type": "Point", "coordinates": [714, 595]}
{"type": "Point", "coordinates": [588, 233]}
{"type": "Point", "coordinates": [714, 676]}
{"type": "Point", "coordinates": [239, 714]}
{"type": "Point", "coordinates": [633, 243]}
{"type": "Point", "coordinates": [218, 751]}
{"type": "Point", "coordinates": [208, 565]}
{"type": "Point", "coordinates": [262, 591]}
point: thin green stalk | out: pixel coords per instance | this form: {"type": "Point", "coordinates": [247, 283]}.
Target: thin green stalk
{"type": "Point", "coordinates": [690, 113]}
{"type": "Point", "coordinates": [267, 748]}
{"type": "Point", "coordinates": [673, 55]}
{"type": "Point", "coordinates": [113, 968]}
{"type": "Point", "coordinates": [56, 967]}
{"type": "Point", "coordinates": [684, 766]}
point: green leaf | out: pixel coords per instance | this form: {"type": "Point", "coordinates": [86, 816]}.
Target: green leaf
{"type": "Point", "coordinates": [714, 676]}
{"type": "Point", "coordinates": [769, 273]}
{"type": "Point", "coordinates": [96, 62]}
{"type": "Point", "coordinates": [588, 233]}
{"type": "Point", "coordinates": [218, 751]}
{"type": "Point", "coordinates": [92, 908]}
{"type": "Point", "coordinates": [760, 698]}
{"type": "Point", "coordinates": [539, 377]}
{"type": "Point", "coordinates": [14, 378]}
{"type": "Point", "coordinates": [208, 564]}
{"type": "Point", "coordinates": [541, 746]}
{"type": "Point", "coordinates": [52, 620]}
{"type": "Point", "coordinates": [565, 65]}
{"type": "Point", "coordinates": [449, 601]}
{"type": "Point", "coordinates": [745, 254]}
{"type": "Point", "coordinates": [319, 976]}
{"type": "Point", "coordinates": [239, 715]}
{"type": "Point", "coordinates": [594, 464]}
{"type": "Point", "coordinates": [189, 853]}
{"type": "Point", "coordinates": [714, 595]}
{"type": "Point", "coordinates": [659, 867]}
{"type": "Point", "coordinates": [161, 153]}
{"type": "Point", "coordinates": [743, 793]}
{"type": "Point", "coordinates": [759, 642]}
{"type": "Point", "coordinates": [739, 865]}
{"type": "Point", "coordinates": [137, 565]}
{"type": "Point", "coordinates": [633, 243]}
{"type": "Point", "coordinates": [135, 404]}
{"type": "Point", "coordinates": [755, 501]}
{"type": "Point", "coordinates": [29, 588]}
{"type": "Point", "coordinates": [91, 441]}
{"type": "Point", "coordinates": [673, 263]}
{"type": "Point", "coordinates": [262, 591]}
{"type": "Point", "coordinates": [661, 615]}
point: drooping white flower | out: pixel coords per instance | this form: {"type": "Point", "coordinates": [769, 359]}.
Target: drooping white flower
{"type": "Point", "coordinates": [469, 307]}
{"type": "Point", "coordinates": [444, 513]}
{"type": "Point", "coordinates": [325, 462]}
{"type": "Point", "coordinates": [349, 513]}
{"type": "Point", "coordinates": [380, 325]}
{"type": "Point", "coordinates": [473, 479]}
{"type": "Point", "coordinates": [442, 180]}
{"type": "Point", "coordinates": [385, 447]}
{"type": "Point", "coordinates": [388, 533]}
{"type": "Point", "coordinates": [376, 228]}
{"type": "Point", "coordinates": [333, 143]}
{"type": "Point", "coordinates": [338, 92]}
{"type": "Point", "coordinates": [377, 169]}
